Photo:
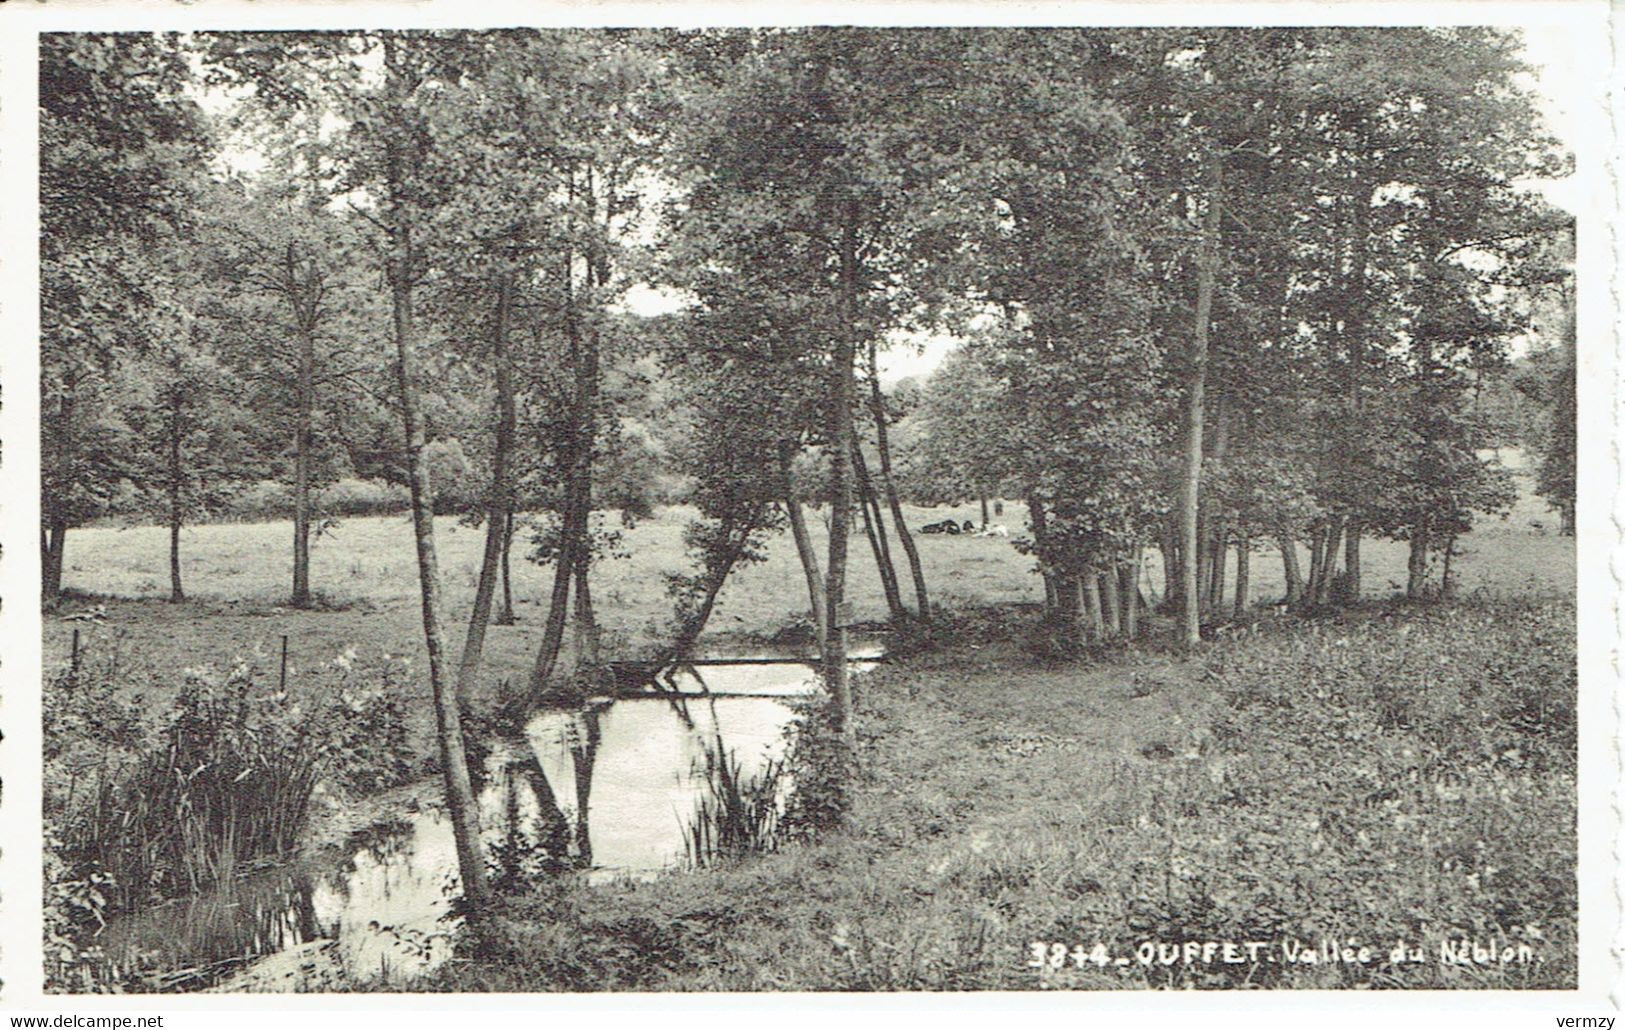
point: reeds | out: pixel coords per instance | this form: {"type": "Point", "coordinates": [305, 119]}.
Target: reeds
{"type": "Point", "coordinates": [735, 815]}
{"type": "Point", "coordinates": [225, 785]}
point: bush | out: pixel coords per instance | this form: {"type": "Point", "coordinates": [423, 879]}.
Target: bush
{"type": "Point", "coordinates": [261, 502]}
{"type": "Point", "coordinates": [1404, 776]}
{"type": "Point", "coordinates": [360, 497]}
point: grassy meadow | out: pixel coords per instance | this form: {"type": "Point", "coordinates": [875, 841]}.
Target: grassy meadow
{"type": "Point", "coordinates": [237, 577]}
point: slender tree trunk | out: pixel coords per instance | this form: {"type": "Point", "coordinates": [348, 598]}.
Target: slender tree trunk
{"type": "Point", "coordinates": [586, 622]}
{"type": "Point", "coordinates": [1328, 562]}
{"type": "Point", "coordinates": [877, 409]}
{"type": "Point", "coordinates": [497, 499]}
{"type": "Point", "coordinates": [1244, 568]}
{"type": "Point", "coordinates": [596, 271]}
{"type": "Point", "coordinates": [1173, 571]}
{"type": "Point", "coordinates": [874, 526]}
{"type": "Point", "coordinates": [738, 535]}
{"type": "Point", "coordinates": [55, 544]}
{"type": "Point", "coordinates": [572, 520]}
{"type": "Point", "coordinates": [55, 537]}
{"type": "Point", "coordinates": [1219, 553]}
{"type": "Point", "coordinates": [1317, 562]}
{"type": "Point", "coordinates": [453, 756]}
{"type": "Point", "coordinates": [1351, 563]}
{"type": "Point", "coordinates": [1289, 563]}
{"type": "Point", "coordinates": [506, 616]}
{"type": "Point", "coordinates": [304, 401]}
{"type": "Point", "coordinates": [843, 370]}
{"type": "Point", "coordinates": [1447, 578]}
{"type": "Point", "coordinates": [1040, 525]}
{"type": "Point", "coordinates": [1207, 267]}
{"type": "Point", "coordinates": [1131, 596]}
{"type": "Point", "coordinates": [558, 606]}
{"type": "Point", "coordinates": [176, 429]}
{"type": "Point", "coordinates": [804, 550]}
{"type": "Point", "coordinates": [1089, 589]}
{"type": "Point", "coordinates": [981, 495]}
{"type": "Point", "coordinates": [1110, 604]}
{"type": "Point", "coordinates": [1416, 567]}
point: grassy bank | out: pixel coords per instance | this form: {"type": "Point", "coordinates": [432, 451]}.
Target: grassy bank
{"type": "Point", "coordinates": [1390, 775]}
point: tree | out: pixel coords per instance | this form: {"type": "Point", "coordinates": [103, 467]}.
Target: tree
{"type": "Point", "coordinates": [298, 324]}
{"type": "Point", "coordinates": [120, 145]}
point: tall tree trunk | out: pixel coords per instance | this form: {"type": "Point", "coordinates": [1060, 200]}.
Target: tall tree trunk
{"type": "Point", "coordinates": [506, 616]}
{"type": "Point", "coordinates": [497, 498]}
{"type": "Point", "coordinates": [1244, 567]}
{"type": "Point", "coordinates": [981, 496]}
{"type": "Point", "coordinates": [586, 635]}
{"type": "Point", "coordinates": [304, 401]}
{"type": "Point", "coordinates": [874, 526]}
{"type": "Point", "coordinates": [1207, 268]}
{"type": "Point", "coordinates": [176, 429]}
{"type": "Point", "coordinates": [877, 409]}
{"type": "Point", "coordinates": [1416, 568]}
{"type": "Point", "coordinates": [1351, 563]}
{"type": "Point", "coordinates": [840, 433]}
{"type": "Point", "coordinates": [804, 549]}
{"type": "Point", "coordinates": [453, 755]}
{"type": "Point", "coordinates": [1289, 563]}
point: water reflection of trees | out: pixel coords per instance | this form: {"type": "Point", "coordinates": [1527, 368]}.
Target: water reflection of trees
{"type": "Point", "coordinates": [191, 944]}
{"type": "Point", "coordinates": [536, 838]}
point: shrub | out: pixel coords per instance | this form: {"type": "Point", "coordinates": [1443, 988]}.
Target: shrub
{"type": "Point", "coordinates": [265, 500]}
{"type": "Point", "coordinates": [360, 497]}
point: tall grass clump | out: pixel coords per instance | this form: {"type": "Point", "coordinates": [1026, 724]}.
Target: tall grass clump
{"type": "Point", "coordinates": [736, 815]}
{"type": "Point", "coordinates": [229, 781]}
{"type": "Point", "coordinates": [143, 806]}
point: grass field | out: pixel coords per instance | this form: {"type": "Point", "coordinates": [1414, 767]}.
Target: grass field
{"type": "Point", "coordinates": [237, 576]}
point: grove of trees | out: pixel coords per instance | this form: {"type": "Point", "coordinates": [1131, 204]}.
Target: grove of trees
{"type": "Point", "coordinates": [1219, 291]}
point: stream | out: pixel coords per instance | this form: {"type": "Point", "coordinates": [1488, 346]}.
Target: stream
{"type": "Point", "coordinates": [611, 790]}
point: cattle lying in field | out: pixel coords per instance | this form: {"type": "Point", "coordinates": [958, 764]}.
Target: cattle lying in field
{"type": "Point", "coordinates": [945, 526]}
{"type": "Point", "coordinates": [994, 531]}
